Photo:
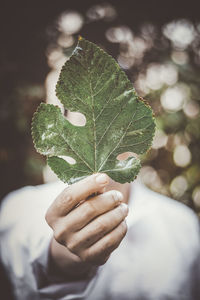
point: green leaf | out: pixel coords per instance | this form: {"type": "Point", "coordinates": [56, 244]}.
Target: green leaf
{"type": "Point", "coordinates": [117, 120]}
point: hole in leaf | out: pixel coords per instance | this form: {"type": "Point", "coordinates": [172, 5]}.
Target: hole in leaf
{"type": "Point", "coordinates": [68, 159]}
{"type": "Point", "coordinates": [125, 155]}
{"type": "Point", "coordinates": [76, 118]}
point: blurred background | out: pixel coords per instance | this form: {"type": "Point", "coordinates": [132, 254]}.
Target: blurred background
{"type": "Point", "coordinates": [157, 44]}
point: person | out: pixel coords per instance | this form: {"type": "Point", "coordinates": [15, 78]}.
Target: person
{"type": "Point", "coordinates": [71, 242]}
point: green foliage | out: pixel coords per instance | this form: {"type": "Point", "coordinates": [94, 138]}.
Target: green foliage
{"type": "Point", "coordinates": [117, 120]}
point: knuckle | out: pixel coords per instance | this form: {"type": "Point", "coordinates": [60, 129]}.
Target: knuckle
{"type": "Point", "coordinates": [72, 245]}
{"type": "Point", "coordinates": [66, 196]}
{"type": "Point", "coordinates": [84, 256]}
{"type": "Point", "coordinates": [88, 209]}
{"type": "Point", "coordinates": [48, 216]}
{"type": "Point", "coordinates": [117, 215]}
{"type": "Point", "coordinates": [114, 198]}
{"type": "Point", "coordinates": [117, 197]}
{"type": "Point", "coordinates": [59, 234]}
{"type": "Point", "coordinates": [123, 209]}
{"type": "Point", "coordinates": [108, 242]}
{"type": "Point", "coordinates": [124, 228]}
{"type": "Point", "coordinates": [100, 226]}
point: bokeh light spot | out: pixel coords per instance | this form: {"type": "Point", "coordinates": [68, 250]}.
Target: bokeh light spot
{"type": "Point", "coordinates": [70, 22]}
{"type": "Point", "coordinates": [196, 196]}
{"type": "Point", "coordinates": [180, 57]}
{"type": "Point", "coordinates": [55, 58]}
{"type": "Point", "coordinates": [182, 156]}
{"type": "Point", "coordinates": [173, 98]}
{"type": "Point", "coordinates": [178, 186]}
{"type": "Point", "coordinates": [65, 40]}
{"type": "Point", "coordinates": [191, 109]}
{"type": "Point", "coordinates": [149, 176]}
{"type": "Point", "coordinates": [180, 32]}
{"type": "Point", "coordinates": [159, 74]}
{"type": "Point", "coordinates": [125, 62]}
{"type": "Point", "coordinates": [119, 34]}
{"type": "Point", "coordinates": [101, 11]}
{"type": "Point", "coordinates": [160, 139]}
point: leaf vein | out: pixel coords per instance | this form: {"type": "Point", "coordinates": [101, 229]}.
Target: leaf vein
{"type": "Point", "coordinates": [109, 101]}
{"type": "Point", "coordinates": [120, 139]}
{"type": "Point", "coordinates": [63, 137]}
{"type": "Point", "coordinates": [142, 142]}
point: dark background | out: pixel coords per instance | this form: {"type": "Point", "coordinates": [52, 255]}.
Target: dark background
{"type": "Point", "coordinates": [25, 27]}
{"type": "Point", "coordinates": [24, 37]}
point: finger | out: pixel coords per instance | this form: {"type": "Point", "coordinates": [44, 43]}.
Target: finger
{"type": "Point", "coordinates": [98, 228]}
{"type": "Point", "coordinates": [99, 252]}
{"type": "Point", "coordinates": [90, 209]}
{"type": "Point", "coordinates": [76, 219]}
{"type": "Point", "coordinates": [75, 193]}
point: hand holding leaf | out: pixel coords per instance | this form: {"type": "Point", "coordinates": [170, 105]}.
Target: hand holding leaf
{"type": "Point", "coordinates": [117, 120]}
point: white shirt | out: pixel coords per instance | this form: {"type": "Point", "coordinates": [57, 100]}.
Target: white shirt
{"type": "Point", "coordinates": [158, 259]}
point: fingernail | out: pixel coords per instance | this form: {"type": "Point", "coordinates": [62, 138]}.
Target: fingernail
{"type": "Point", "coordinates": [118, 196]}
{"type": "Point", "coordinates": [102, 178]}
{"type": "Point", "coordinates": [124, 208]}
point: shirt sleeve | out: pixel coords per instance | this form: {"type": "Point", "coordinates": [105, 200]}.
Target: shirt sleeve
{"type": "Point", "coordinates": [24, 247]}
